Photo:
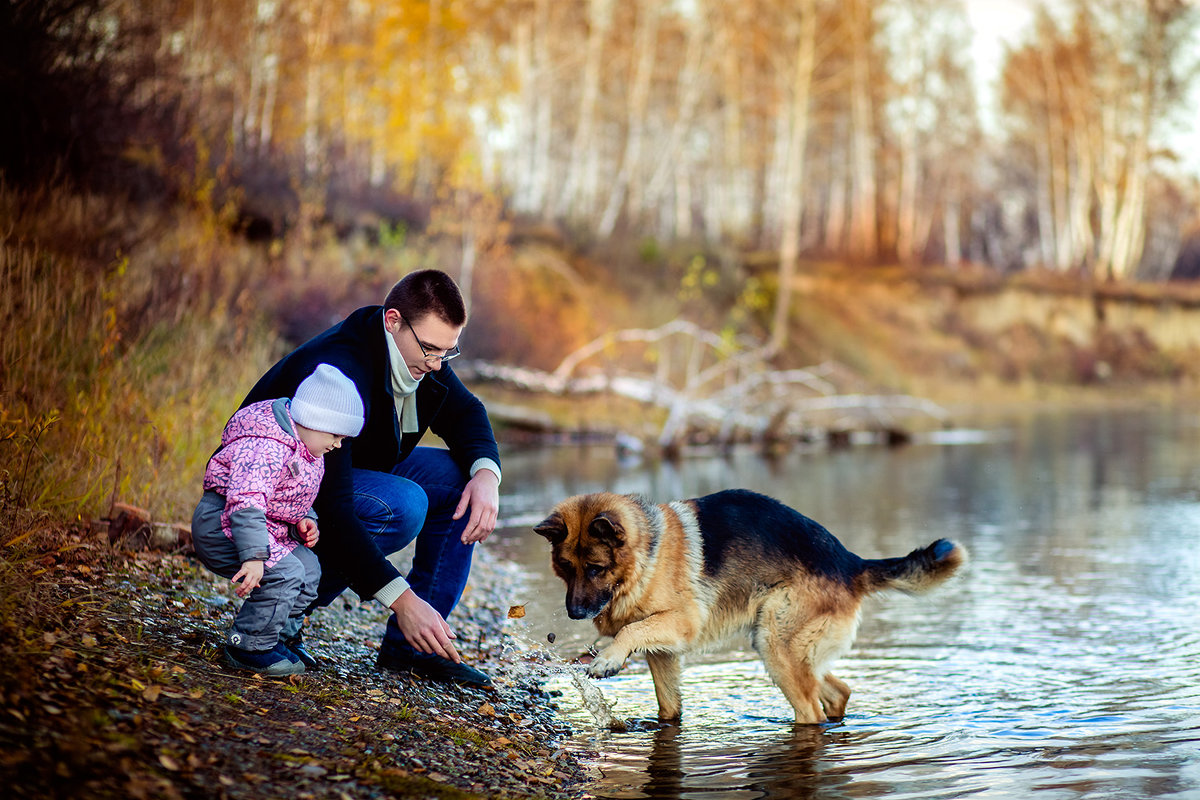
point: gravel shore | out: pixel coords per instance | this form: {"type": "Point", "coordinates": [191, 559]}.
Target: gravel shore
{"type": "Point", "coordinates": [133, 699]}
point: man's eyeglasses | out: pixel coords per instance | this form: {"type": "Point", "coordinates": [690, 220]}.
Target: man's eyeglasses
{"type": "Point", "coordinates": [433, 358]}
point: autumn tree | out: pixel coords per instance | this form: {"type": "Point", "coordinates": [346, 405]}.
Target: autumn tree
{"type": "Point", "coordinates": [1090, 98]}
{"type": "Point", "coordinates": [839, 129]}
{"type": "Point", "coordinates": [931, 114]}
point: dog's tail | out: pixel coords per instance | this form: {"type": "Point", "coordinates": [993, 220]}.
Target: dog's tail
{"type": "Point", "coordinates": [919, 571]}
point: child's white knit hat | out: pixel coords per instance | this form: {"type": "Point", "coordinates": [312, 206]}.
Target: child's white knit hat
{"type": "Point", "coordinates": [328, 401]}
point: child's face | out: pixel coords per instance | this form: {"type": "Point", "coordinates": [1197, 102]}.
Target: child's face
{"type": "Point", "coordinates": [318, 442]}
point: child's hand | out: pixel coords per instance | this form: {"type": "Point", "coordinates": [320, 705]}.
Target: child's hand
{"type": "Point", "coordinates": [307, 528]}
{"type": "Point", "coordinates": [251, 575]}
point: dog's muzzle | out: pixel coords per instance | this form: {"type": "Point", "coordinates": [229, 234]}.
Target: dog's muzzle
{"type": "Point", "coordinates": [587, 608]}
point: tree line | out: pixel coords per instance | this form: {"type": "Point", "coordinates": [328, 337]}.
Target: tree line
{"type": "Point", "coordinates": [846, 129]}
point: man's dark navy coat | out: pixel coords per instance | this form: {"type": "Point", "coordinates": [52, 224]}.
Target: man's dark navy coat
{"type": "Point", "coordinates": [357, 347]}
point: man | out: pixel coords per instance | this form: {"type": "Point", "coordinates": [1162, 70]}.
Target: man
{"type": "Point", "coordinates": [381, 491]}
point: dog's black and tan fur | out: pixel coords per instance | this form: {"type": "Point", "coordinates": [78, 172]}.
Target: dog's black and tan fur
{"type": "Point", "coordinates": [667, 579]}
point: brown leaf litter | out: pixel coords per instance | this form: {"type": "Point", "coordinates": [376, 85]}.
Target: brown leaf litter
{"type": "Point", "coordinates": [112, 685]}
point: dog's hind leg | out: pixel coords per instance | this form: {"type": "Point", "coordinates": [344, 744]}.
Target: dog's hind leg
{"type": "Point", "coordinates": [834, 696]}
{"type": "Point", "coordinates": [802, 689]}
{"type": "Point", "coordinates": [790, 667]}
{"type": "Point", "coordinates": [666, 670]}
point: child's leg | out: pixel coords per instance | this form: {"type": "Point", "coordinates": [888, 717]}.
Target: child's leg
{"type": "Point", "coordinates": [306, 595]}
{"type": "Point", "coordinates": [291, 634]}
{"type": "Point", "coordinates": [311, 581]}
{"type": "Point", "coordinates": [264, 613]}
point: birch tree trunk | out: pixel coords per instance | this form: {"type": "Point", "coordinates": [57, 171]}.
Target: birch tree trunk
{"type": "Point", "coordinates": [524, 153]}
{"type": "Point", "coordinates": [316, 37]}
{"type": "Point", "coordinates": [864, 228]}
{"type": "Point", "coordinates": [1108, 182]}
{"type": "Point", "coordinates": [539, 189]}
{"type": "Point", "coordinates": [913, 66]}
{"type": "Point", "coordinates": [270, 79]}
{"type": "Point", "coordinates": [732, 209]}
{"type": "Point", "coordinates": [1044, 192]}
{"type": "Point", "coordinates": [244, 118]}
{"type": "Point", "coordinates": [1083, 176]}
{"type": "Point", "coordinates": [645, 42]}
{"type": "Point", "coordinates": [1154, 82]}
{"type": "Point", "coordinates": [683, 201]}
{"type": "Point", "coordinates": [951, 235]}
{"type": "Point", "coordinates": [578, 197]}
{"type": "Point", "coordinates": [691, 84]}
{"type": "Point", "coordinates": [906, 204]}
{"type": "Point", "coordinates": [793, 168]}
{"type": "Point", "coordinates": [1059, 169]}
{"type": "Point", "coordinates": [835, 211]}
{"type": "Point", "coordinates": [1131, 229]}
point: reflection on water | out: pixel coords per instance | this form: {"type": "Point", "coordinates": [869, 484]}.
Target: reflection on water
{"type": "Point", "coordinates": [1065, 665]}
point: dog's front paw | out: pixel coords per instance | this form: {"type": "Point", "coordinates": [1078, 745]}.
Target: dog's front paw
{"type": "Point", "coordinates": [605, 666]}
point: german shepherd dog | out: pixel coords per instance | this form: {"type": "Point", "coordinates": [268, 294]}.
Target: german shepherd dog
{"type": "Point", "coordinates": [687, 575]}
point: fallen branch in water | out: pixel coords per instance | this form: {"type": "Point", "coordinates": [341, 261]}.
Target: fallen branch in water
{"type": "Point", "coordinates": [729, 391]}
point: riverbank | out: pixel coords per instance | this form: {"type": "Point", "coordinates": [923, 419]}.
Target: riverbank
{"type": "Point", "coordinates": [112, 685]}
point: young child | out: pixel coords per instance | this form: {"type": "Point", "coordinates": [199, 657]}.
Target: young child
{"type": "Point", "coordinates": [255, 523]}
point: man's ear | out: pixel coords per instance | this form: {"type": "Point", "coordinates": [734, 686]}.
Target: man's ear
{"type": "Point", "coordinates": [607, 528]}
{"type": "Point", "coordinates": [553, 528]}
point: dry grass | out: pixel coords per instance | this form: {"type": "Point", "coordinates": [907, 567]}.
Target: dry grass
{"type": "Point", "coordinates": [119, 360]}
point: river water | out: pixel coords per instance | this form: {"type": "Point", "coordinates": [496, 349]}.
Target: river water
{"type": "Point", "coordinates": [1064, 664]}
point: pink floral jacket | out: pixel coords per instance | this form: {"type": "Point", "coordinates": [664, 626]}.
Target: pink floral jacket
{"type": "Point", "coordinates": [268, 478]}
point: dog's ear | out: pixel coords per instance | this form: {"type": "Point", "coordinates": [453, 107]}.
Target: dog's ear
{"type": "Point", "coordinates": [607, 528]}
{"type": "Point", "coordinates": [553, 528]}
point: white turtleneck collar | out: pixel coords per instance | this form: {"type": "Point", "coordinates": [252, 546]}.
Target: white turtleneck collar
{"type": "Point", "coordinates": [404, 386]}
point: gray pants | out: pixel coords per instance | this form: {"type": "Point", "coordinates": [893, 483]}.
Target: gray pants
{"type": "Point", "coordinates": [277, 604]}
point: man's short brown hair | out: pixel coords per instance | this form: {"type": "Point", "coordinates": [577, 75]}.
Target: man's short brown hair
{"type": "Point", "coordinates": [428, 291]}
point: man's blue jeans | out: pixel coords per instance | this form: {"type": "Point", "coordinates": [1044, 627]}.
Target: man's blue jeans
{"type": "Point", "coordinates": [415, 501]}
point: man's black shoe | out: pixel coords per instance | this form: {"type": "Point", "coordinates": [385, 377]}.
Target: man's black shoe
{"type": "Point", "coordinates": [433, 668]}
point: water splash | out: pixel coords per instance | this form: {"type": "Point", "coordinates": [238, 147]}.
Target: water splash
{"type": "Point", "coordinates": [595, 702]}
{"type": "Point", "coordinates": [536, 659]}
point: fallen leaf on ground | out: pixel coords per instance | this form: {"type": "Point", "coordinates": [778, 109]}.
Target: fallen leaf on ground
{"type": "Point", "coordinates": [516, 612]}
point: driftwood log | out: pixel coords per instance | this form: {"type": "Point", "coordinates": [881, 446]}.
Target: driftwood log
{"type": "Point", "coordinates": [713, 389]}
{"type": "Point", "coordinates": [133, 527]}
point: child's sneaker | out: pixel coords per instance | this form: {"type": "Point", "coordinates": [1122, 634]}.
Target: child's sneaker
{"type": "Point", "coordinates": [295, 645]}
{"type": "Point", "coordinates": [278, 662]}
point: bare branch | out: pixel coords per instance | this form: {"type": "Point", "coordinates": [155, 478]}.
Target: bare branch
{"type": "Point", "coordinates": [739, 392]}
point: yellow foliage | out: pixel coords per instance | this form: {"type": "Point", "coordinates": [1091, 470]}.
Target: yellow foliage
{"type": "Point", "coordinates": [110, 383]}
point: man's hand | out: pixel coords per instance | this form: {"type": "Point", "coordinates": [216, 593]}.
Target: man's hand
{"type": "Point", "coordinates": [482, 496]}
{"type": "Point", "coordinates": [250, 575]}
{"type": "Point", "coordinates": [424, 627]}
{"type": "Point", "coordinates": [307, 528]}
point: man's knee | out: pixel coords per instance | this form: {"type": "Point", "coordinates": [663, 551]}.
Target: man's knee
{"type": "Point", "coordinates": [433, 466]}
{"type": "Point", "coordinates": [397, 506]}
